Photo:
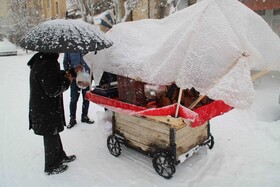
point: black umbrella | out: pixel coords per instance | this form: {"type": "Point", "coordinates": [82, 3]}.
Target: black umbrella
{"type": "Point", "coordinates": [60, 36]}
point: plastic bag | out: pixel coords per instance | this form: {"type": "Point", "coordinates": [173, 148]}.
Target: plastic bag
{"type": "Point", "coordinates": [83, 79]}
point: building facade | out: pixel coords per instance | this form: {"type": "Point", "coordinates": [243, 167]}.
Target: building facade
{"type": "Point", "coordinates": [269, 10]}
{"type": "Point", "coordinates": [54, 8]}
{"type": "Point", "coordinates": [50, 9]}
{"type": "Point", "coordinates": [4, 7]}
{"type": "Point", "coordinates": [157, 9]}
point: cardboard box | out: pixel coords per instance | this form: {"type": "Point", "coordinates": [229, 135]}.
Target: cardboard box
{"type": "Point", "coordinates": [131, 91]}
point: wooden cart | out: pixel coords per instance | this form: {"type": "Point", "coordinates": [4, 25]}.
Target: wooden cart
{"type": "Point", "coordinates": [153, 131]}
{"type": "Point", "coordinates": [168, 140]}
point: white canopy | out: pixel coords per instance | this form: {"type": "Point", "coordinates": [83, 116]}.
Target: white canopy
{"type": "Point", "coordinates": [210, 46]}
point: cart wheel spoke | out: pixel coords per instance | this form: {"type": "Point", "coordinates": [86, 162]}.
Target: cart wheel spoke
{"type": "Point", "coordinates": [161, 171]}
{"type": "Point", "coordinates": [164, 161]}
{"type": "Point", "coordinates": [163, 165]}
{"type": "Point", "coordinates": [113, 145]}
{"type": "Point", "coordinates": [211, 143]}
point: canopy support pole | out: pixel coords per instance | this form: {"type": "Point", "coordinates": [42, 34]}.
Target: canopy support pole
{"type": "Point", "coordinates": [91, 75]}
{"type": "Point", "coordinates": [259, 74]}
{"type": "Point", "coordinates": [196, 101]}
{"type": "Point", "coordinates": [232, 66]}
{"type": "Point", "coordinates": [178, 103]}
{"type": "Point", "coordinates": [253, 77]}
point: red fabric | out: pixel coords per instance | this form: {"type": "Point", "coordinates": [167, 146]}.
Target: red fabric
{"type": "Point", "coordinates": [98, 99]}
{"type": "Point", "coordinates": [207, 112]}
{"type": "Point", "coordinates": [119, 106]}
{"type": "Point", "coordinates": [170, 110]}
{"type": "Point", "coordinates": [199, 116]}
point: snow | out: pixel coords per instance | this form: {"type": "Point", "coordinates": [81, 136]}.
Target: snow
{"type": "Point", "coordinates": [64, 35]}
{"type": "Point", "coordinates": [7, 48]}
{"type": "Point", "coordinates": [210, 46]}
{"type": "Point", "coordinates": [246, 151]}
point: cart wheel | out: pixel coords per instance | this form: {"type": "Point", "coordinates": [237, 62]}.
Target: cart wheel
{"type": "Point", "coordinates": [113, 145]}
{"type": "Point", "coordinates": [163, 165]}
{"type": "Point", "coordinates": [211, 143]}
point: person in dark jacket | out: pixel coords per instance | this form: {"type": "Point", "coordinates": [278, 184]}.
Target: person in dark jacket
{"type": "Point", "coordinates": [46, 112]}
{"type": "Point", "coordinates": [72, 60]}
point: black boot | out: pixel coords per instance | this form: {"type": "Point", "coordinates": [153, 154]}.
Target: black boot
{"type": "Point", "coordinates": [56, 170]}
{"type": "Point", "coordinates": [72, 123]}
{"type": "Point", "coordinates": [85, 119]}
{"type": "Point", "coordinates": [68, 159]}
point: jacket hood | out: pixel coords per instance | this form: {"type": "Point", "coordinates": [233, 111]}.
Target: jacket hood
{"type": "Point", "coordinates": [42, 56]}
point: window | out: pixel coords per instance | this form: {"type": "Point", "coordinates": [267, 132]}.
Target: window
{"type": "Point", "coordinates": [56, 8]}
{"type": "Point", "coordinates": [260, 12]}
{"type": "Point", "coordinates": [48, 4]}
{"type": "Point", "coordinates": [276, 26]}
{"type": "Point", "coordinates": [276, 12]}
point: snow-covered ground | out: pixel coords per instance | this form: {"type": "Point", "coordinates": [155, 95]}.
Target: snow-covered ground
{"type": "Point", "coordinates": [7, 48]}
{"type": "Point", "coordinates": [246, 151]}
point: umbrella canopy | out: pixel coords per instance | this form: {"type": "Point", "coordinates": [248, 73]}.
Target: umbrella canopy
{"type": "Point", "coordinates": [61, 36]}
{"type": "Point", "coordinates": [211, 46]}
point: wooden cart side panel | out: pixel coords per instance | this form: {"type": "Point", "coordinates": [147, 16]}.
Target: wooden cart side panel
{"type": "Point", "coordinates": [152, 125]}
{"type": "Point", "coordinates": [152, 136]}
{"type": "Point", "coordinates": [138, 133]}
{"type": "Point", "coordinates": [146, 146]}
{"type": "Point", "coordinates": [142, 134]}
{"type": "Point", "coordinates": [138, 145]}
{"type": "Point", "coordinates": [187, 138]}
{"type": "Point", "coordinates": [175, 123]}
{"type": "Point", "coordinates": [197, 130]}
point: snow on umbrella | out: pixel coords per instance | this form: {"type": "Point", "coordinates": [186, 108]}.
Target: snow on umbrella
{"type": "Point", "coordinates": [59, 36]}
{"type": "Point", "coordinates": [211, 46]}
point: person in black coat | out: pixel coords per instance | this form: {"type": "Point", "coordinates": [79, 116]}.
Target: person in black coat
{"type": "Point", "coordinates": [46, 111]}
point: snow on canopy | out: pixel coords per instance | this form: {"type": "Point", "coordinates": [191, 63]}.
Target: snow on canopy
{"type": "Point", "coordinates": [210, 46]}
{"type": "Point", "coordinates": [65, 36]}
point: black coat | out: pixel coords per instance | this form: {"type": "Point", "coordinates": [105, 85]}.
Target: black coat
{"type": "Point", "coordinates": [47, 83]}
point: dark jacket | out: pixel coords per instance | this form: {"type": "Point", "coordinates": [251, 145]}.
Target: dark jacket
{"type": "Point", "coordinates": [72, 60]}
{"type": "Point", "coordinates": [47, 83]}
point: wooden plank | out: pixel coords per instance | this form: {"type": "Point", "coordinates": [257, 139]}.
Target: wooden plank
{"type": "Point", "coordinates": [178, 102]}
{"type": "Point", "coordinates": [187, 138]}
{"type": "Point", "coordinates": [186, 146]}
{"type": "Point", "coordinates": [139, 145]}
{"type": "Point", "coordinates": [152, 135]}
{"type": "Point", "coordinates": [259, 74]}
{"type": "Point", "coordinates": [152, 125]}
{"type": "Point", "coordinates": [144, 135]}
{"type": "Point", "coordinates": [192, 137]}
{"type": "Point", "coordinates": [181, 133]}
{"type": "Point", "coordinates": [145, 143]}
{"type": "Point", "coordinates": [175, 123]}
{"type": "Point", "coordinates": [139, 129]}
{"type": "Point", "coordinates": [140, 126]}
{"type": "Point", "coordinates": [196, 101]}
